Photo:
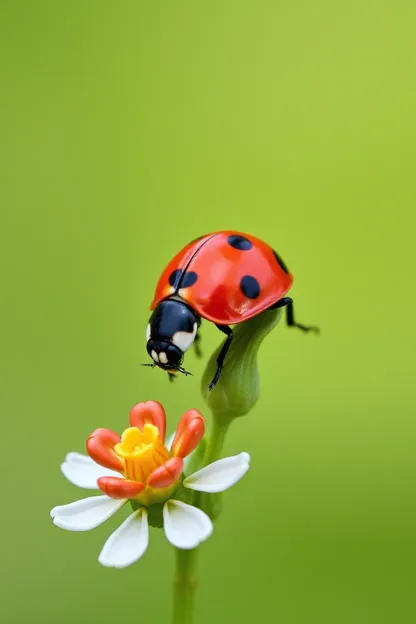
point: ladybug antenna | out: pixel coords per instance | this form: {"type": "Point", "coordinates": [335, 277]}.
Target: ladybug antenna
{"type": "Point", "coordinates": [170, 372]}
{"type": "Point", "coordinates": [183, 371]}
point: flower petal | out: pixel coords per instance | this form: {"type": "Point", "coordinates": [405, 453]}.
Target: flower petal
{"type": "Point", "coordinates": [190, 431]}
{"type": "Point", "coordinates": [82, 471]}
{"type": "Point", "coordinates": [85, 514]}
{"type": "Point", "coordinates": [186, 460]}
{"type": "Point", "coordinates": [169, 440]}
{"type": "Point", "coordinates": [219, 475]}
{"type": "Point", "coordinates": [185, 526]}
{"type": "Point", "coordinates": [128, 543]}
{"type": "Point", "coordinates": [100, 447]}
{"type": "Point", "coordinates": [166, 474]}
{"type": "Point", "coordinates": [151, 412]}
{"type": "Point", "coordinates": [119, 487]}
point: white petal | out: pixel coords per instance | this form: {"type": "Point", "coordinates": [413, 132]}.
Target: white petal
{"type": "Point", "coordinates": [82, 471]}
{"type": "Point", "coordinates": [187, 461]}
{"type": "Point", "coordinates": [85, 514]}
{"type": "Point", "coordinates": [128, 543]}
{"type": "Point", "coordinates": [168, 442]}
{"type": "Point", "coordinates": [185, 526]}
{"type": "Point", "coordinates": [219, 475]}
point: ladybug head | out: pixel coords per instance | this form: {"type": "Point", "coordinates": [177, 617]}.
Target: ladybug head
{"type": "Point", "coordinates": [164, 353]}
{"type": "Point", "coordinates": [171, 331]}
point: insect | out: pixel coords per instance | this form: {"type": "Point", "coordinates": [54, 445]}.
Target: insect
{"type": "Point", "coordinates": [225, 277]}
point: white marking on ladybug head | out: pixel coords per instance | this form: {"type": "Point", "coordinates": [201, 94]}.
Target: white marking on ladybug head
{"type": "Point", "coordinates": [163, 357]}
{"type": "Point", "coordinates": [148, 332]}
{"type": "Point", "coordinates": [183, 339]}
{"type": "Point", "coordinates": [154, 355]}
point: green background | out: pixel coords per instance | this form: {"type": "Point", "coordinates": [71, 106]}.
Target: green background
{"type": "Point", "coordinates": [130, 128]}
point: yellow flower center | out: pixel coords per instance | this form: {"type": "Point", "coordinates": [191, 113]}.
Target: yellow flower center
{"type": "Point", "coordinates": [141, 452]}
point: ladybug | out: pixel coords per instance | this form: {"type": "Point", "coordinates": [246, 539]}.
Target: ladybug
{"type": "Point", "coordinates": [225, 277]}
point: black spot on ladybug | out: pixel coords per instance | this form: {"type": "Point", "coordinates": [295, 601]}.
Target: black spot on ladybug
{"type": "Point", "coordinates": [175, 277]}
{"type": "Point", "coordinates": [180, 279]}
{"type": "Point", "coordinates": [250, 286]}
{"type": "Point", "coordinates": [188, 279]}
{"type": "Point", "coordinates": [239, 242]}
{"type": "Point", "coordinates": [280, 262]}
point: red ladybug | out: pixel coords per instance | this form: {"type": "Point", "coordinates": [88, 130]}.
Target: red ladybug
{"type": "Point", "coordinates": [225, 277]}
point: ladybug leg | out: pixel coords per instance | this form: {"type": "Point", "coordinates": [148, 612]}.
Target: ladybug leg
{"type": "Point", "coordinates": [197, 345]}
{"type": "Point", "coordinates": [287, 302]}
{"type": "Point", "coordinates": [221, 357]}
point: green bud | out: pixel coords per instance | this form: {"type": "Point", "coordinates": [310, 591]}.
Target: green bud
{"type": "Point", "coordinates": [238, 388]}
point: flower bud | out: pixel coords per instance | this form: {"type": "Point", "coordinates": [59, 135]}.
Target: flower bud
{"type": "Point", "coordinates": [238, 387]}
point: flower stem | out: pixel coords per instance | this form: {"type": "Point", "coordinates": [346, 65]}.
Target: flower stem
{"type": "Point", "coordinates": [210, 503]}
{"type": "Point", "coordinates": [185, 582]}
{"type": "Point", "coordinates": [215, 441]}
{"type": "Point", "coordinates": [235, 394]}
{"type": "Point", "coordinates": [184, 585]}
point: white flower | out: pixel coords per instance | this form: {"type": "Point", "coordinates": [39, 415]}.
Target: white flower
{"type": "Point", "coordinates": [185, 526]}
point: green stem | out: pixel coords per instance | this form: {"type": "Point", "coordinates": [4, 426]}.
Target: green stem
{"type": "Point", "coordinates": [215, 441]}
{"type": "Point", "coordinates": [184, 585]}
{"type": "Point", "coordinates": [212, 453]}
{"type": "Point", "coordinates": [235, 394]}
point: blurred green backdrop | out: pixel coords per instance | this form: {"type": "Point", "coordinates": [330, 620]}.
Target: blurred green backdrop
{"type": "Point", "coordinates": [129, 128]}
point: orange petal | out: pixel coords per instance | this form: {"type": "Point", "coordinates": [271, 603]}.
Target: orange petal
{"type": "Point", "coordinates": [116, 487]}
{"type": "Point", "coordinates": [166, 474]}
{"type": "Point", "coordinates": [151, 412]}
{"type": "Point", "coordinates": [189, 433]}
{"type": "Point", "coordinates": [100, 445]}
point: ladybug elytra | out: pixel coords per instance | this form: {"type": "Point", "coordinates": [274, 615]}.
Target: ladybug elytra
{"type": "Point", "coordinates": [225, 277]}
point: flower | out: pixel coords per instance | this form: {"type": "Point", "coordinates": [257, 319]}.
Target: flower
{"type": "Point", "coordinates": [138, 467]}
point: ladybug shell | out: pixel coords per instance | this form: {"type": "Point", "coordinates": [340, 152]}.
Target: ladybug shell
{"type": "Point", "coordinates": [226, 277]}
